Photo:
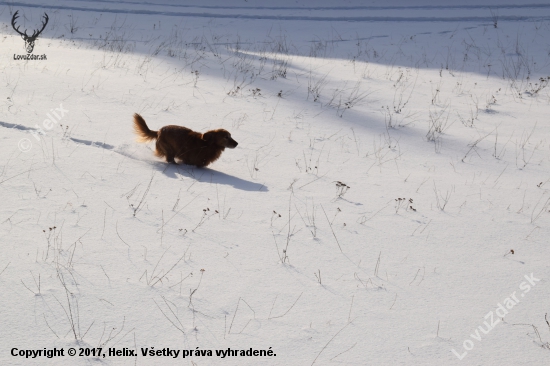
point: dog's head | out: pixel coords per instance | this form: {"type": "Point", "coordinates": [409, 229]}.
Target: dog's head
{"type": "Point", "coordinates": [221, 138]}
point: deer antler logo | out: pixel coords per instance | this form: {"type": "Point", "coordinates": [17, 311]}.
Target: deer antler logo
{"type": "Point", "coordinates": [29, 40]}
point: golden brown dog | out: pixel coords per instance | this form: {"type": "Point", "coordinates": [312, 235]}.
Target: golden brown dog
{"type": "Point", "coordinates": [192, 148]}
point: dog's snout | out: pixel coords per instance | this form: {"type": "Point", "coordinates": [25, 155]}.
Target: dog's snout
{"type": "Point", "coordinates": [232, 143]}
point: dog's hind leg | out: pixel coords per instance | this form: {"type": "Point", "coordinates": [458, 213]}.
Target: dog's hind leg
{"type": "Point", "coordinates": [159, 150]}
{"type": "Point", "coordinates": [161, 153]}
{"type": "Point", "coordinates": [164, 151]}
{"type": "Point", "coordinates": [170, 158]}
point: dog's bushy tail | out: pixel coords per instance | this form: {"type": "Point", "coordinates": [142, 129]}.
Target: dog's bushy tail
{"type": "Point", "coordinates": [144, 133]}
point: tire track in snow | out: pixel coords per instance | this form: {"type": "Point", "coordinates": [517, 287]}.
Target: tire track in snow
{"type": "Point", "coordinates": [285, 17]}
{"type": "Point", "coordinates": [333, 8]}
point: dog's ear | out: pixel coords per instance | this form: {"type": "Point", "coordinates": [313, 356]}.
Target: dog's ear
{"type": "Point", "coordinates": [209, 136]}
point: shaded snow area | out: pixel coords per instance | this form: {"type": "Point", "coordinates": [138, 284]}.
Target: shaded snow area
{"type": "Point", "coordinates": [388, 202]}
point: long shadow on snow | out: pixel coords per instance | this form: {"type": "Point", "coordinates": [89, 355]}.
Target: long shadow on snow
{"type": "Point", "coordinates": [40, 133]}
{"type": "Point", "coordinates": [208, 175]}
{"type": "Point", "coordinates": [17, 127]}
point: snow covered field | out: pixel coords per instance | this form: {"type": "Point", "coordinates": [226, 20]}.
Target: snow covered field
{"type": "Point", "coordinates": [388, 202]}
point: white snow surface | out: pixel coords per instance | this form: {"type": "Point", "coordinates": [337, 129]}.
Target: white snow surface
{"type": "Point", "coordinates": [390, 189]}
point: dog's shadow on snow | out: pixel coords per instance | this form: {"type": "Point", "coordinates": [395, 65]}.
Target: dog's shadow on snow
{"type": "Point", "coordinates": [208, 175]}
